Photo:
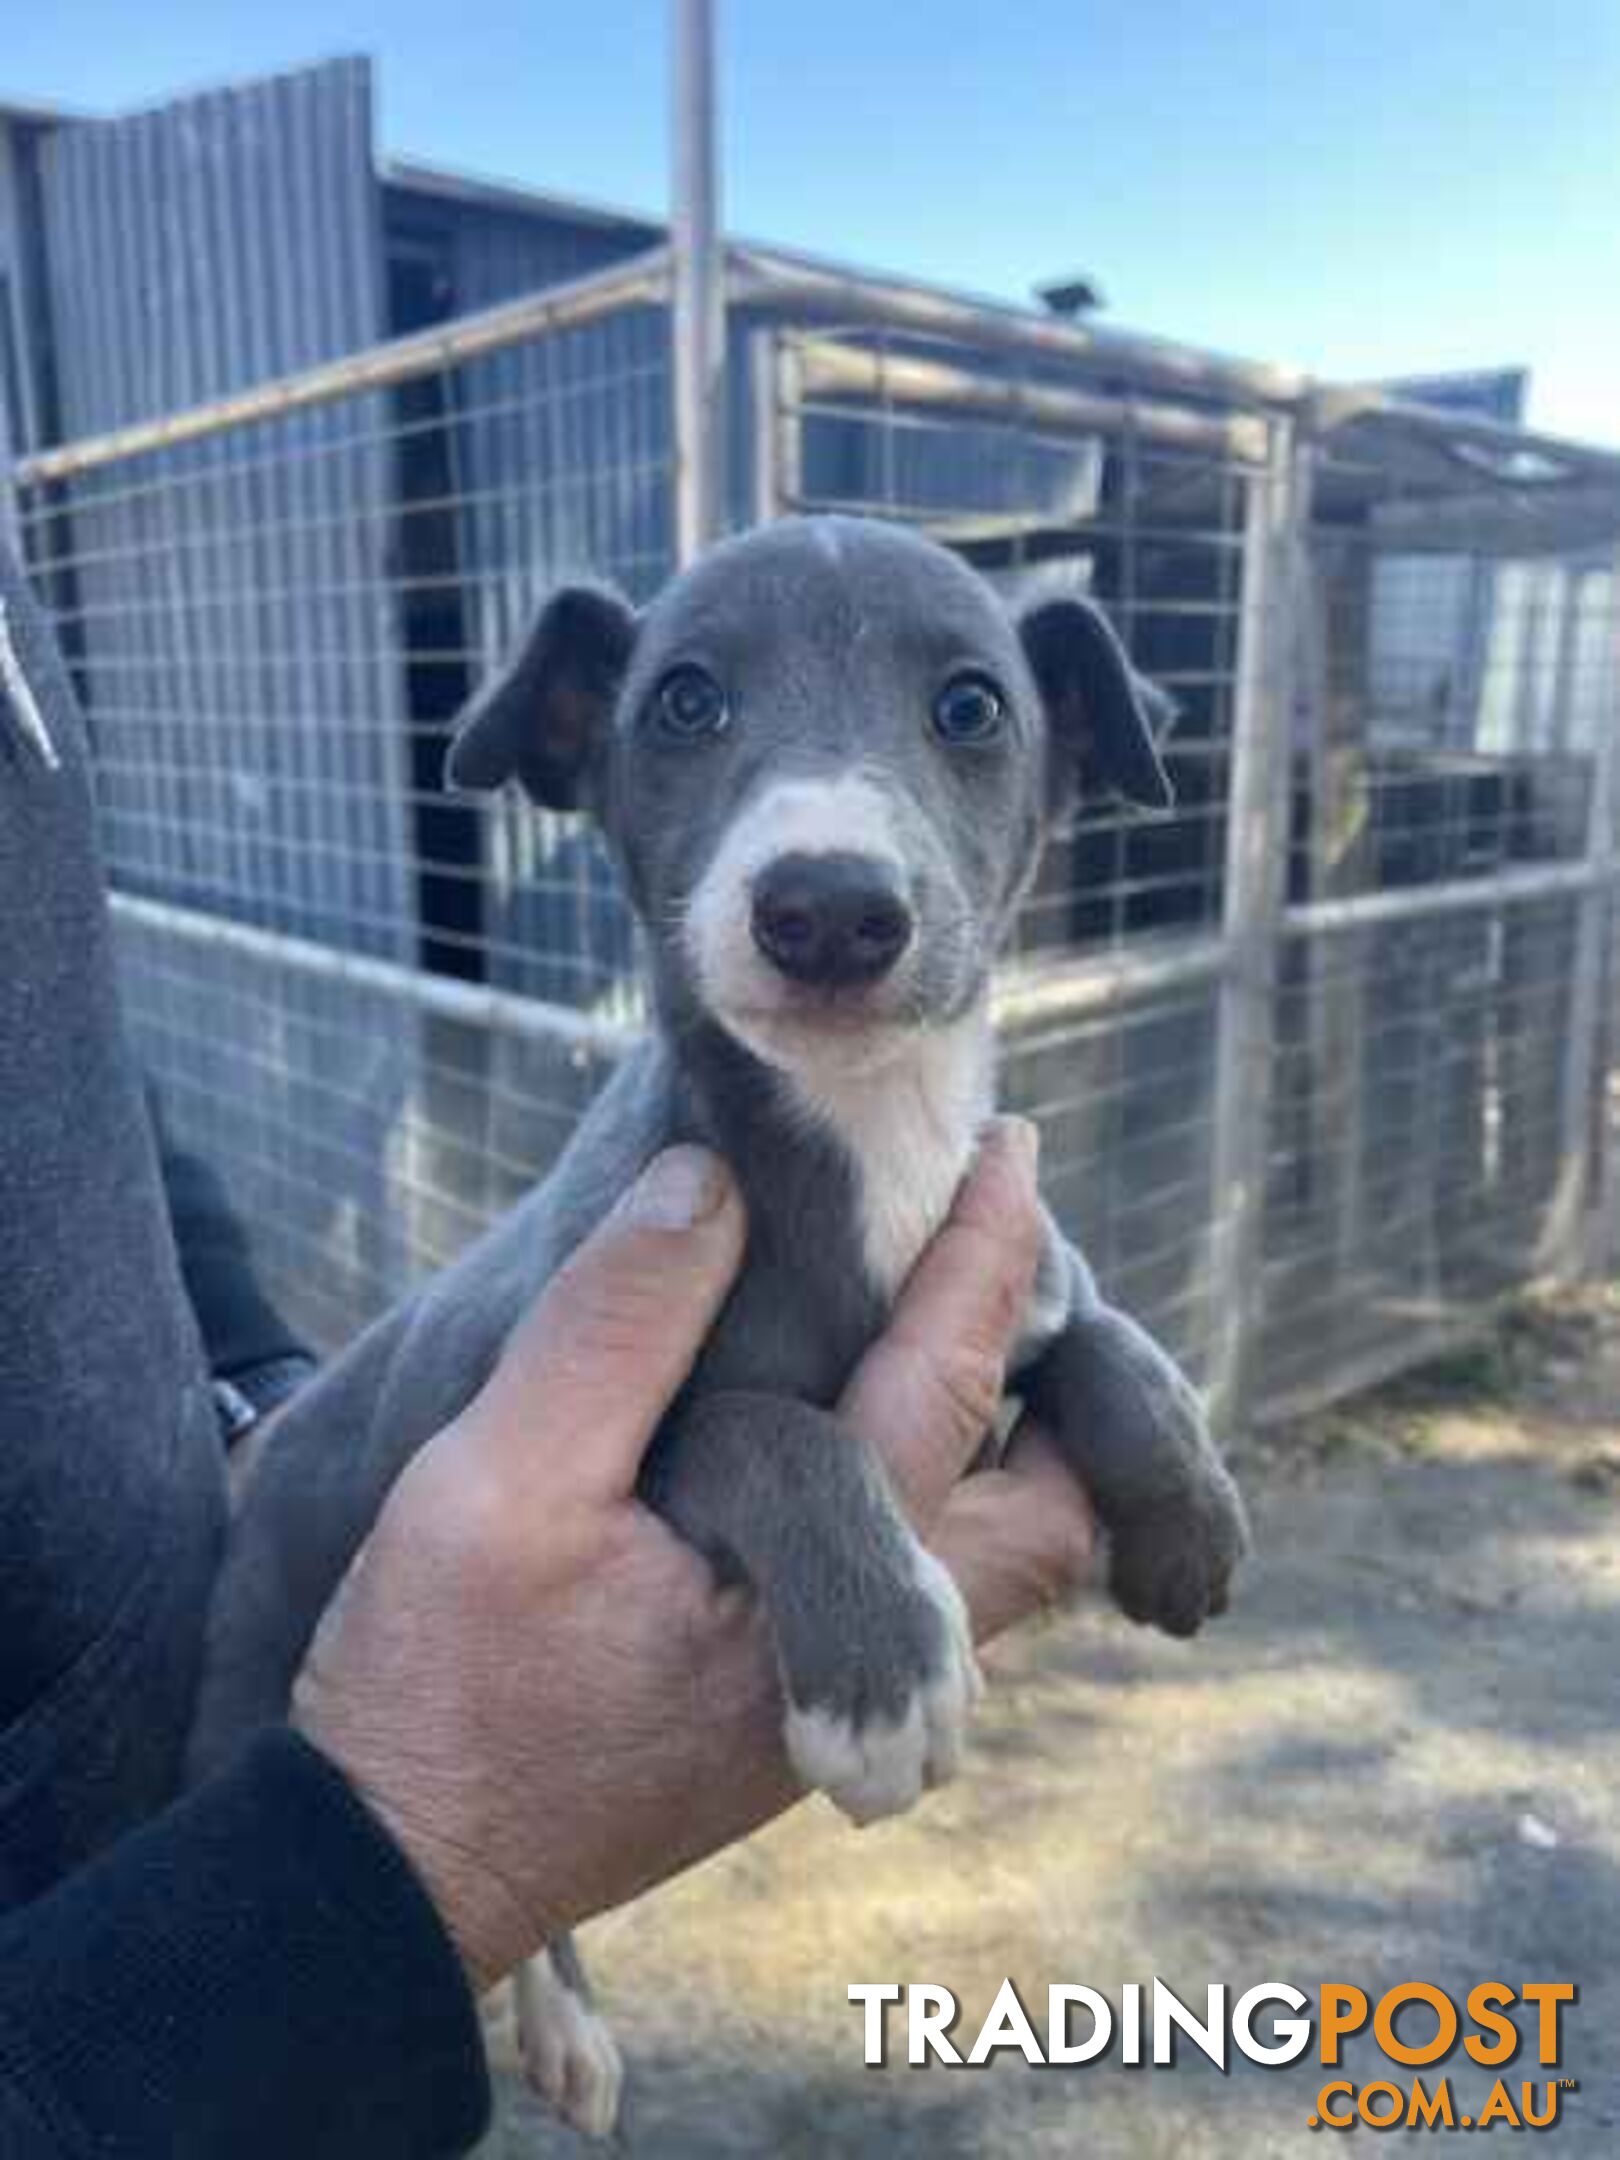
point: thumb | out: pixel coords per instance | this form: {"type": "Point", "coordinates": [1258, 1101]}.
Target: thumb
{"type": "Point", "coordinates": [588, 1373]}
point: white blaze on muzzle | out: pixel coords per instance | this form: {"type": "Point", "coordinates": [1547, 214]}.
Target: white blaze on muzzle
{"type": "Point", "coordinates": [906, 1107]}
{"type": "Point", "coordinates": [843, 816]}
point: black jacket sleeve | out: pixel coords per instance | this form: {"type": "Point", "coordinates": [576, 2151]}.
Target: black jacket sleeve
{"type": "Point", "coordinates": [257, 1972]}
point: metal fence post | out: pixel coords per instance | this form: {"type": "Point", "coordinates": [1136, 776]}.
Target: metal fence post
{"type": "Point", "coordinates": [1602, 1252]}
{"type": "Point", "coordinates": [1579, 1232]}
{"type": "Point", "coordinates": [10, 508]}
{"type": "Point", "coordinates": [773, 374]}
{"type": "Point", "coordinates": [1605, 1246]}
{"type": "Point", "coordinates": [698, 310]}
{"type": "Point", "coordinates": [1257, 832]}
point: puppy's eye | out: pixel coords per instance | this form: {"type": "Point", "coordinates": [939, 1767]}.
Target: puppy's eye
{"type": "Point", "coordinates": [689, 703]}
{"type": "Point", "coordinates": [970, 709]}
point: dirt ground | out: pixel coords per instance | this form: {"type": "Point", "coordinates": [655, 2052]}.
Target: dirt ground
{"type": "Point", "coordinates": [1398, 1760]}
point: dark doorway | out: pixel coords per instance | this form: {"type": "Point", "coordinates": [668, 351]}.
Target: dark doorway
{"type": "Point", "coordinates": [433, 625]}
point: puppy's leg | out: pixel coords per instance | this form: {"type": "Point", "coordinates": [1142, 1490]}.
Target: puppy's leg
{"type": "Point", "coordinates": [569, 2056]}
{"type": "Point", "coordinates": [873, 1640]}
{"type": "Point", "coordinates": [1133, 1428]}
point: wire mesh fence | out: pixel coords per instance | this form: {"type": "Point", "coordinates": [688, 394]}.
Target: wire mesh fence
{"type": "Point", "coordinates": [1320, 1056]}
{"type": "Point", "coordinates": [1414, 1061]}
{"type": "Point", "coordinates": [378, 1008]}
{"type": "Point", "coordinates": [1437, 1042]}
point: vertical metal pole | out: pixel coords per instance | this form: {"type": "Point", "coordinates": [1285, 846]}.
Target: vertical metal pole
{"type": "Point", "coordinates": [773, 364]}
{"type": "Point", "coordinates": [1604, 1250]}
{"type": "Point", "coordinates": [1533, 619]}
{"type": "Point", "coordinates": [11, 532]}
{"type": "Point", "coordinates": [699, 306]}
{"type": "Point", "coordinates": [1255, 892]}
{"type": "Point", "coordinates": [765, 387]}
{"type": "Point", "coordinates": [1561, 711]}
{"type": "Point", "coordinates": [1601, 1255]}
{"type": "Point", "coordinates": [1577, 1230]}
{"type": "Point", "coordinates": [789, 490]}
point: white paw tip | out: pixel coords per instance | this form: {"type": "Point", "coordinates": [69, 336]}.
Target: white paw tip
{"type": "Point", "coordinates": [884, 1767]}
{"type": "Point", "coordinates": [867, 1771]}
{"type": "Point", "coordinates": [572, 2060]}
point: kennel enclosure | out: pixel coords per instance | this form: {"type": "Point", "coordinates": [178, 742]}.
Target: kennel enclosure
{"type": "Point", "coordinates": [299, 438]}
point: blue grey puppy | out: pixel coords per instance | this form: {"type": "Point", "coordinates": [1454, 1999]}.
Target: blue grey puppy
{"type": "Point", "coordinates": [824, 759]}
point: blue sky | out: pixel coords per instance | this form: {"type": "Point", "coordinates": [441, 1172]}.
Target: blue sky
{"type": "Point", "coordinates": [1358, 186]}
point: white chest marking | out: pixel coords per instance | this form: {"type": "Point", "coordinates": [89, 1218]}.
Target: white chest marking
{"type": "Point", "coordinates": [909, 1129]}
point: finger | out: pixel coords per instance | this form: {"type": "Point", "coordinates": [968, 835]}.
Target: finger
{"type": "Point", "coordinates": [589, 1372]}
{"type": "Point", "coordinates": [1019, 1540]}
{"type": "Point", "coordinates": [928, 1390]}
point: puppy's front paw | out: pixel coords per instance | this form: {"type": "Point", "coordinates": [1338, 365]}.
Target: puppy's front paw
{"type": "Point", "coordinates": [1171, 1559]}
{"type": "Point", "coordinates": [570, 2058]}
{"type": "Point", "coordinates": [886, 1723]}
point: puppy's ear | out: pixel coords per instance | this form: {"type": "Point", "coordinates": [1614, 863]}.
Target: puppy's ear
{"type": "Point", "coordinates": [544, 721]}
{"type": "Point", "coordinates": [1101, 715]}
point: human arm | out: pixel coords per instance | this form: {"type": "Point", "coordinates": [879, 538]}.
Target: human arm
{"type": "Point", "coordinates": [610, 1715]}
{"type": "Point", "coordinates": [537, 1690]}
{"type": "Point", "coordinates": [256, 1971]}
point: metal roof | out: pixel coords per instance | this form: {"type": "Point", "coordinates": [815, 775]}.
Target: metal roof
{"type": "Point", "coordinates": [445, 183]}
{"type": "Point", "coordinates": [37, 114]}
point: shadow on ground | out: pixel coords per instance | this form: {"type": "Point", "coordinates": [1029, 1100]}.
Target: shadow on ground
{"type": "Point", "coordinates": [1397, 1761]}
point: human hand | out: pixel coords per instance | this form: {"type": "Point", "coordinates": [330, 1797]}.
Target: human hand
{"type": "Point", "coordinates": [539, 1689]}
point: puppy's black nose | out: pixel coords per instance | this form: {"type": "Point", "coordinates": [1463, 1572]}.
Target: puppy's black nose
{"type": "Point", "coordinates": [830, 919]}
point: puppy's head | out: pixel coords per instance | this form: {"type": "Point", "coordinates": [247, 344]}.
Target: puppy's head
{"type": "Point", "coordinates": [825, 758]}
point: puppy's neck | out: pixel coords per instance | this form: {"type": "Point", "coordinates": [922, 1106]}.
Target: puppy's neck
{"type": "Point", "coordinates": [907, 1130]}
{"type": "Point", "coordinates": [903, 1132]}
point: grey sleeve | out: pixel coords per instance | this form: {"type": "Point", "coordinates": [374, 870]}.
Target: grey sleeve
{"type": "Point", "coordinates": [111, 1482]}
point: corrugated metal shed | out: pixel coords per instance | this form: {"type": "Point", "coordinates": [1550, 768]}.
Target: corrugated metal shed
{"type": "Point", "coordinates": [192, 250]}
{"type": "Point", "coordinates": [270, 629]}
{"type": "Point", "coordinates": [22, 423]}
{"type": "Point", "coordinates": [227, 609]}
